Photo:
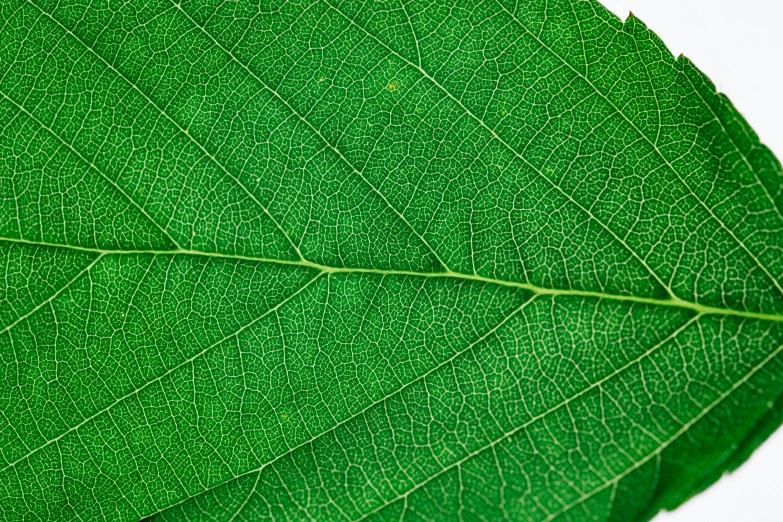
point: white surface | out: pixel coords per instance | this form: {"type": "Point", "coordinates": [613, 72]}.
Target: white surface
{"type": "Point", "coordinates": [739, 45]}
{"type": "Point", "coordinates": [753, 493]}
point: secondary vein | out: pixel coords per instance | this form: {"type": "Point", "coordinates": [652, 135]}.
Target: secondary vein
{"type": "Point", "coordinates": [163, 375]}
{"type": "Point", "coordinates": [91, 166]}
{"type": "Point", "coordinates": [317, 132]}
{"type": "Point", "coordinates": [513, 151]}
{"type": "Point", "coordinates": [179, 127]}
{"type": "Point", "coordinates": [654, 146]}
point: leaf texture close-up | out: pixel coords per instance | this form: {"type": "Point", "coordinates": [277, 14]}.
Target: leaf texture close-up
{"type": "Point", "coordinates": [374, 260]}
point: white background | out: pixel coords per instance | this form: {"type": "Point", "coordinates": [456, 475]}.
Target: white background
{"type": "Point", "coordinates": [739, 45]}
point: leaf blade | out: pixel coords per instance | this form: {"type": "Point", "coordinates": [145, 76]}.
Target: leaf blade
{"type": "Point", "coordinates": [328, 167]}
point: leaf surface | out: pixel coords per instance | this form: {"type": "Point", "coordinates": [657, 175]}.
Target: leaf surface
{"type": "Point", "coordinates": [345, 260]}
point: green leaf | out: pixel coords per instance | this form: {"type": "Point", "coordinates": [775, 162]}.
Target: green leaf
{"type": "Point", "coordinates": [345, 260]}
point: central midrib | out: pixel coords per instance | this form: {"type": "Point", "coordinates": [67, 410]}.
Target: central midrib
{"type": "Point", "coordinates": [675, 302]}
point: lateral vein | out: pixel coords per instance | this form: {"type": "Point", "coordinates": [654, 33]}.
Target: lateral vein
{"type": "Point", "coordinates": [320, 135]}
{"type": "Point", "coordinates": [90, 165]}
{"type": "Point", "coordinates": [163, 375]}
{"type": "Point", "coordinates": [179, 127]}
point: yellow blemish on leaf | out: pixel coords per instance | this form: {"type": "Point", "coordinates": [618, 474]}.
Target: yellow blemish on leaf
{"type": "Point", "coordinates": [393, 85]}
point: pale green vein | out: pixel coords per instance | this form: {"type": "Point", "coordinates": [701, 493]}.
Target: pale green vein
{"type": "Point", "coordinates": [539, 290]}
{"type": "Point", "coordinates": [92, 166]}
{"type": "Point", "coordinates": [53, 296]}
{"type": "Point", "coordinates": [742, 155]}
{"type": "Point", "coordinates": [247, 498]}
{"type": "Point", "coordinates": [519, 156]}
{"type": "Point", "coordinates": [184, 132]}
{"type": "Point", "coordinates": [654, 147]}
{"type": "Point", "coordinates": [533, 420]}
{"type": "Point", "coordinates": [163, 375]}
{"type": "Point", "coordinates": [536, 418]}
{"type": "Point", "coordinates": [398, 391]}
{"type": "Point", "coordinates": [557, 187]}
{"type": "Point", "coordinates": [721, 305]}
{"type": "Point", "coordinates": [413, 32]}
{"type": "Point", "coordinates": [685, 427]}
{"type": "Point", "coordinates": [317, 132]}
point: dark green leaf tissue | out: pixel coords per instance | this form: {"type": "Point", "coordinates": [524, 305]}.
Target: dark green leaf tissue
{"type": "Point", "coordinates": [374, 260]}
